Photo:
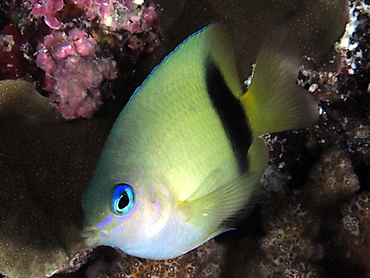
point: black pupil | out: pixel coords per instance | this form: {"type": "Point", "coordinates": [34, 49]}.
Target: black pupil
{"type": "Point", "coordinates": [123, 201]}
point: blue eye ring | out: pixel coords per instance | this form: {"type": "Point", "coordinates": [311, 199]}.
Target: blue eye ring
{"type": "Point", "coordinates": [123, 199]}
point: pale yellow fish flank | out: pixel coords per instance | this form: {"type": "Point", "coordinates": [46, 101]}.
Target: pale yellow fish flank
{"type": "Point", "coordinates": [184, 155]}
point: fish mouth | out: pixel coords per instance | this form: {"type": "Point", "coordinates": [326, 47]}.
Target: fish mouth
{"type": "Point", "coordinates": [93, 236]}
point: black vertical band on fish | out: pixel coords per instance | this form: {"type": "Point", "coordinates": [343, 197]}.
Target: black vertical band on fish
{"type": "Point", "coordinates": [231, 113]}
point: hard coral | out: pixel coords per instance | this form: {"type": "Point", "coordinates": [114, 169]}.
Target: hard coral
{"type": "Point", "coordinates": [332, 180]}
{"type": "Point", "coordinates": [44, 171]}
{"type": "Point", "coordinates": [19, 98]}
{"type": "Point", "coordinates": [355, 227]}
{"type": "Point", "coordinates": [289, 247]}
{"type": "Point", "coordinates": [352, 233]}
{"type": "Point", "coordinates": [201, 262]}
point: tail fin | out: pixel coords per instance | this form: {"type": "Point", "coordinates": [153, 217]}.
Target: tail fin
{"type": "Point", "coordinates": [274, 102]}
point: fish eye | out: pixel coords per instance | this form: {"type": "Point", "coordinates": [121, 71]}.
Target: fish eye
{"type": "Point", "coordinates": [123, 199]}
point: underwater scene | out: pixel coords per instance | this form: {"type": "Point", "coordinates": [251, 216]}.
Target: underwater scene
{"type": "Point", "coordinates": [187, 138]}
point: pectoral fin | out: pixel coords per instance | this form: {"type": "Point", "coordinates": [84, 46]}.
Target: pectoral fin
{"type": "Point", "coordinates": [218, 210]}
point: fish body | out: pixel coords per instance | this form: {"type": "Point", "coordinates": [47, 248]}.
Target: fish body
{"type": "Point", "coordinates": [184, 155]}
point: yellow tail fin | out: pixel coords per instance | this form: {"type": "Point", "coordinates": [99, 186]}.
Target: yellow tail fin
{"type": "Point", "coordinates": [274, 102]}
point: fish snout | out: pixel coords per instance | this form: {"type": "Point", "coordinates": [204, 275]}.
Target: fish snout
{"type": "Point", "coordinates": [93, 236]}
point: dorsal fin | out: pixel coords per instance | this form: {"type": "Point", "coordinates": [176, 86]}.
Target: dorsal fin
{"type": "Point", "coordinates": [208, 44]}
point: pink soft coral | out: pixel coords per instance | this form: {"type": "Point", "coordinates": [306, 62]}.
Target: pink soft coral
{"type": "Point", "coordinates": [47, 9]}
{"type": "Point", "coordinates": [74, 72]}
{"type": "Point", "coordinates": [71, 58]}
